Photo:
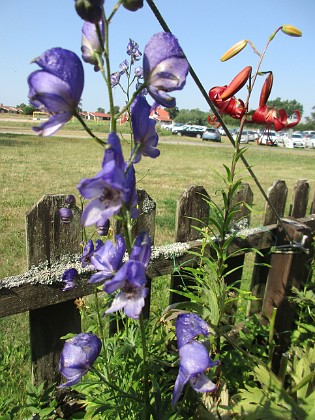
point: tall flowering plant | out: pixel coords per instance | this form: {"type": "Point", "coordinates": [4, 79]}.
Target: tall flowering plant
{"type": "Point", "coordinates": [152, 381]}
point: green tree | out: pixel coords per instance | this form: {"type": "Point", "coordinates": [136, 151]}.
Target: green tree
{"type": "Point", "coordinates": [192, 116]}
{"type": "Point", "coordinates": [172, 112]}
{"type": "Point", "coordinates": [27, 109]}
{"type": "Point", "coordinates": [101, 110]}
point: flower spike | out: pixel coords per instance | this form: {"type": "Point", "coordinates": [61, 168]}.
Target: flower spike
{"type": "Point", "coordinates": [239, 46]}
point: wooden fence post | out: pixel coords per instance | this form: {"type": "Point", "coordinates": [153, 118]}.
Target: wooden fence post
{"type": "Point", "coordinates": [192, 210]}
{"type": "Point", "coordinates": [277, 195]}
{"type": "Point", "coordinates": [288, 268]}
{"type": "Point", "coordinates": [47, 240]}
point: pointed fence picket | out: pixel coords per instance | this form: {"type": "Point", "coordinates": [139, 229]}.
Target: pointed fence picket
{"type": "Point", "coordinates": [53, 246]}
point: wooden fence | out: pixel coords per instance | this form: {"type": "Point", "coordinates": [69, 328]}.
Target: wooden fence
{"type": "Point", "coordinates": [53, 246]}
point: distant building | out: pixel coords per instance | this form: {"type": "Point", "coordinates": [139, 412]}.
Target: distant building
{"type": "Point", "coordinates": [98, 116]}
{"type": "Point", "coordinates": [160, 115]}
{"type": "Point", "coordinates": [6, 109]}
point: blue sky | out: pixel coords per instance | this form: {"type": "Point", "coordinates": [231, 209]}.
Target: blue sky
{"type": "Point", "coordinates": [205, 29]}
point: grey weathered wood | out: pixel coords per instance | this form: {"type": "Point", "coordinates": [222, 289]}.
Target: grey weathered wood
{"type": "Point", "coordinates": [47, 240]}
{"type": "Point", "coordinates": [192, 211]}
{"type": "Point", "coordinates": [300, 199]}
{"type": "Point", "coordinates": [288, 268]}
{"type": "Point", "coordinates": [277, 195]}
{"type": "Point", "coordinates": [312, 208]}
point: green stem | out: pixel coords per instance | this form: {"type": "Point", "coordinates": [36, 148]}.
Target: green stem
{"type": "Point", "coordinates": [88, 130]}
{"type": "Point", "coordinates": [145, 370]}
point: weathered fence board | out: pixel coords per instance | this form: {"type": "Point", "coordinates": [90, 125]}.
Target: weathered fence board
{"type": "Point", "coordinates": [48, 240]}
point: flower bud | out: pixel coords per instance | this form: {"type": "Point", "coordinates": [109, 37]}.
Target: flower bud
{"type": "Point", "coordinates": [69, 276]}
{"type": "Point", "coordinates": [65, 215]}
{"type": "Point", "coordinates": [132, 5]}
{"type": "Point", "coordinates": [89, 10]}
{"type": "Point", "coordinates": [234, 50]}
{"type": "Point", "coordinates": [291, 30]}
{"type": "Point", "coordinates": [237, 83]}
{"type": "Point", "coordinates": [102, 227]}
{"type": "Point", "coordinates": [70, 201]}
{"type": "Point", "coordinates": [266, 89]}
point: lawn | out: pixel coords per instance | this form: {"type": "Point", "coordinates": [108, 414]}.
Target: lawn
{"type": "Point", "coordinates": [32, 166]}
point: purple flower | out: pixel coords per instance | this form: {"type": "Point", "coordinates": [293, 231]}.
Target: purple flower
{"type": "Point", "coordinates": [139, 72]}
{"type": "Point", "coordinates": [194, 357]}
{"type": "Point", "coordinates": [194, 361]}
{"type": "Point", "coordinates": [164, 67]}
{"type": "Point", "coordinates": [102, 226]}
{"type": "Point", "coordinates": [90, 10]}
{"type": "Point", "coordinates": [131, 279]}
{"type": "Point", "coordinates": [131, 197]}
{"type": "Point", "coordinates": [133, 51]}
{"type": "Point", "coordinates": [108, 188]}
{"type": "Point", "coordinates": [57, 88]}
{"type": "Point", "coordinates": [115, 78]}
{"type": "Point", "coordinates": [69, 276]}
{"type": "Point", "coordinates": [70, 201]}
{"type": "Point", "coordinates": [108, 259]}
{"type": "Point", "coordinates": [90, 45]}
{"type": "Point", "coordinates": [188, 327]}
{"type": "Point", "coordinates": [88, 252]}
{"type": "Point", "coordinates": [143, 127]}
{"type": "Point", "coordinates": [124, 66]}
{"type": "Point", "coordinates": [132, 5]}
{"type": "Point", "coordinates": [66, 215]}
{"type": "Point", "coordinates": [77, 357]}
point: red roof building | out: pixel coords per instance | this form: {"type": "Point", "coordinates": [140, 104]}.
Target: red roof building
{"type": "Point", "coordinates": [160, 115]}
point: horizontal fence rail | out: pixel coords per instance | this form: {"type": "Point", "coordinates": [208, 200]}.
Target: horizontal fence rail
{"type": "Point", "coordinates": [53, 247]}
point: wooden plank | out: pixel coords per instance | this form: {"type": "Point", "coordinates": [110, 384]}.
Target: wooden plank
{"type": "Point", "coordinates": [277, 195]}
{"type": "Point", "coordinates": [288, 268]}
{"type": "Point", "coordinates": [300, 199]}
{"type": "Point", "coordinates": [192, 211]}
{"type": "Point", "coordinates": [47, 240]}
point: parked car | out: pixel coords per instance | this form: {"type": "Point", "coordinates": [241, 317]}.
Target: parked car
{"type": "Point", "coordinates": [243, 139]}
{"type": "Point", "coordinates": [268, 138]}
{"type": "Point", "coordinates": [252, 135]}
{"type": "Point", "coordinates": [211, 134]}
{"type": "Point", "coordinates": [167, 126]}
{"type": "Point", "coordinates": [295, 140]}
{"type": "Point", "coordinates": [310, 141]}
{"type": "Point", "coordinates": [191, 131]}
{"type": "Point", "coordinates": [177, 127]}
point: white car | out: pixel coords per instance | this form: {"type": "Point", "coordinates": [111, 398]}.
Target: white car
{"type": "Point", "coordinates": [268, 138]}
{"type": "Point", "coordinates": [294, 141]}
{"type": "Point", "coordinates": [310, 141]}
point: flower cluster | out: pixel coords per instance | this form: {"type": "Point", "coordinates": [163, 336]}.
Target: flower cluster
{"type": "Point", "coordinates": [193, 355]}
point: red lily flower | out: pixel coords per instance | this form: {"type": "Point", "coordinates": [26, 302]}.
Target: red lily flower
{"type": "Point", "coordinates": [273, 117]}
{"type": "Point", "coordinates": [222, 96]}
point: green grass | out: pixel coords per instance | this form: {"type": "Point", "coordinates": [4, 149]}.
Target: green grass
{"type": "Point", "coordinates": [32, 166]}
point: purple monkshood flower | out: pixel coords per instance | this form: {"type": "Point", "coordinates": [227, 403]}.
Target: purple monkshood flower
{"type": "Point", "coordinates": [115, 78]}
{"type": "Point", "coordinates": [102, 227]}
{"type": "Point", "coordinates": [108, 189]}
{"type": "Point", "coordinates": [164, 67]}
{"type": "Point", "coordinates": [88, 252]}
{"type": "Point", "coordinates": [139, 72]}
{"type": "Point", "coordinates": [124, 66]}
{"type": "Point", "coordinates": [57, 88]}
{"type": "Point", "coordinates": [66, 215]}
{"type": "Point", "coordinates": [194, 361]}
{"type": "Point", "coordinates": [133, 51]}
{"type": "Point", "coordinates": [188, 327]}
{"type": "Point", "coordinates": [90, 44]}
{"type": "Point", "coordinates": [131, 197]}
{"type": "Point", "coordinates": [143, 127]}
{"type": "Point", "coordinates": [77, 357]}
{"type": "Point", "coordinates": [108, 259]}
{"type": "Point", "coordinates": [70, 201]}
{"type": "Point", "coordinates": [69, 276]}
{"type": "Point", "coordinates": [90, 10]}
{"type": "Point", "coordinates": [194, 357]}
{"type": "Point", "coordinates": [131, 279]}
